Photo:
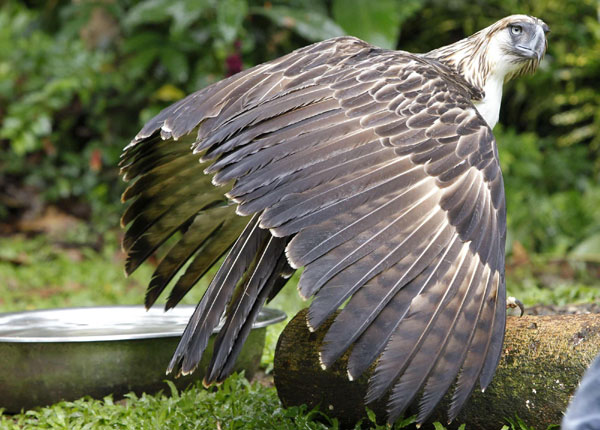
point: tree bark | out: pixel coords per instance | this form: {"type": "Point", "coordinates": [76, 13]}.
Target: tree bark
{"type": "Point", "coordinates": [543, 359]}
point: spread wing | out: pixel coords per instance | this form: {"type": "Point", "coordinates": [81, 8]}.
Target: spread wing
{"type": "Point", "coordinates": [369, 168]}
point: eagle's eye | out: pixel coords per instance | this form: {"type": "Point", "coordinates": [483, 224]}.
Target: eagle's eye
{"type": "Point", "coordinates": [516, 29]}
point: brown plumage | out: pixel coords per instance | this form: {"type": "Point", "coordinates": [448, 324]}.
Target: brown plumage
{"type": "Point", "coordinates": [376, 171]}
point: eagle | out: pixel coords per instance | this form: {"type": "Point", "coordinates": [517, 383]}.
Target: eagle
{"type": "Point", "coordinates": [374, 170]}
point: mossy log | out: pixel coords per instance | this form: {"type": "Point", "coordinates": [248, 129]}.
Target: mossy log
{"type": "Point", "coordinates": [543, 359]}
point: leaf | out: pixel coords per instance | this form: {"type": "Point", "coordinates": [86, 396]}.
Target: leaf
{"type": "Point", "coordinates": [173, 389]}
{"type": "Point", "coordinates": [168, 93]}
{"type": "Point", "coordinates": [148, 11]}
{"type": "Point", "coordinates": [518, 424]}
{"type": "Point", "coordinates": [371, 415]}
{"type": "Point", "coordinates": [401, 423]}
{"type": "Point", "coordinates": [42, 125]}
{"type": "Point", "coordinates": [588, 250]}
{"type": "Point", "coordinates": [230, 15]}
{"type": "Point", "coordinates": [183, 13]}
{"type": "Point", "coordinates": [24, 143]}
{"type": "Point", "coordinates": [438, 426]}
{"type": "Point", "coordinates": [138, 64]}
{"type": "Point", "coordinates": [142, 41]}
{"type": "Point", "coordinates": [311, 25]}
{"type": "Point", "coordinates": [377, 22]}
{"type": "Point", "coordinates": [176, 63]}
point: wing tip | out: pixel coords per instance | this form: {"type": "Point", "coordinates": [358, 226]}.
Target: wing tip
{"type": "Point", "coordinates": [321, 362]}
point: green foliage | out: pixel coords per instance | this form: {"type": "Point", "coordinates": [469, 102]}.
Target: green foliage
{"type": "Point", "coordinates": [517, 423]}
{"type": "Point", "coordinates": [78, 79]}
{"type": "Point", "coordinates": [310, 24]}
{"type": "Point", "coordinates": [378, 22]}
{"type": "Point", "coordinates": [551, 195]}
{"type": "Point", "coordinates": [579, 100]}
{"type": "Point", "coordinates": [46, 82]}
{"type": "Point", "coordinates": [237, 404]}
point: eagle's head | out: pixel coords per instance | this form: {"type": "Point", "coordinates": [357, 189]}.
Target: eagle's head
{"type": "Point", "coordinates": [510, 47]}
{"type": "Point", "coordinates": [515, 44]}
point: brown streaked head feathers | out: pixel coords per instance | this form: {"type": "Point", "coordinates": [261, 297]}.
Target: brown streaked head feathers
{"type": "Point", "coordinates": [475, 57]}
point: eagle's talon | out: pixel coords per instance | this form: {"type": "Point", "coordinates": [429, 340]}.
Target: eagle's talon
{"type": "Point", "coordinates": [513, 302]}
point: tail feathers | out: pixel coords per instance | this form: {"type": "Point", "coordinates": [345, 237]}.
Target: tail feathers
{"type": "Point", "coordinates": [213, 303]}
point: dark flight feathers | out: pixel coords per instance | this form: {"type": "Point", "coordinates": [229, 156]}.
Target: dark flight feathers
{"type": "Point", "coordinates": [372, 170]}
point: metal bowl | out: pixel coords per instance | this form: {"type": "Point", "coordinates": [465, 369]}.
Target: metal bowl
{"type": "Point", "coordinates": [64, 354]}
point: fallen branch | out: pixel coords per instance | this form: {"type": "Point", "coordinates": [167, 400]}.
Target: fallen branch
{"type": "Point", "coordinates": [543, 360]}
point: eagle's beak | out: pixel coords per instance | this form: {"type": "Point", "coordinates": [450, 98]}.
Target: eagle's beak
{"type": "Point", "coordinates": [535, 47]}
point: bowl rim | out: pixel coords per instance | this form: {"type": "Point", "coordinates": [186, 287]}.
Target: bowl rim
{"type": "Point", "coordinates": [267, 316]}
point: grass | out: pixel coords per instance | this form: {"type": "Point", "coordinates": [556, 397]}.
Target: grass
{"type": "Point", "coordinates": [552, 281]}
{"type": "Point", "coordinates": [237, 404]}
{"type": "Point", "coordinates": [69, 270]}
{"type": "Point", "coordinates": [39, 273]}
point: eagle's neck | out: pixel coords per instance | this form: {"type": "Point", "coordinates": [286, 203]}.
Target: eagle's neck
{"type": "Point", "coordinates": [474, 59]}
{"type": "Point", "coordinates": [489, 107]}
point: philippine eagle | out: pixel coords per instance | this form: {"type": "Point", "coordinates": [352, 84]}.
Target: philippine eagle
{"type": "Point", "coordinates": [376, 171]}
